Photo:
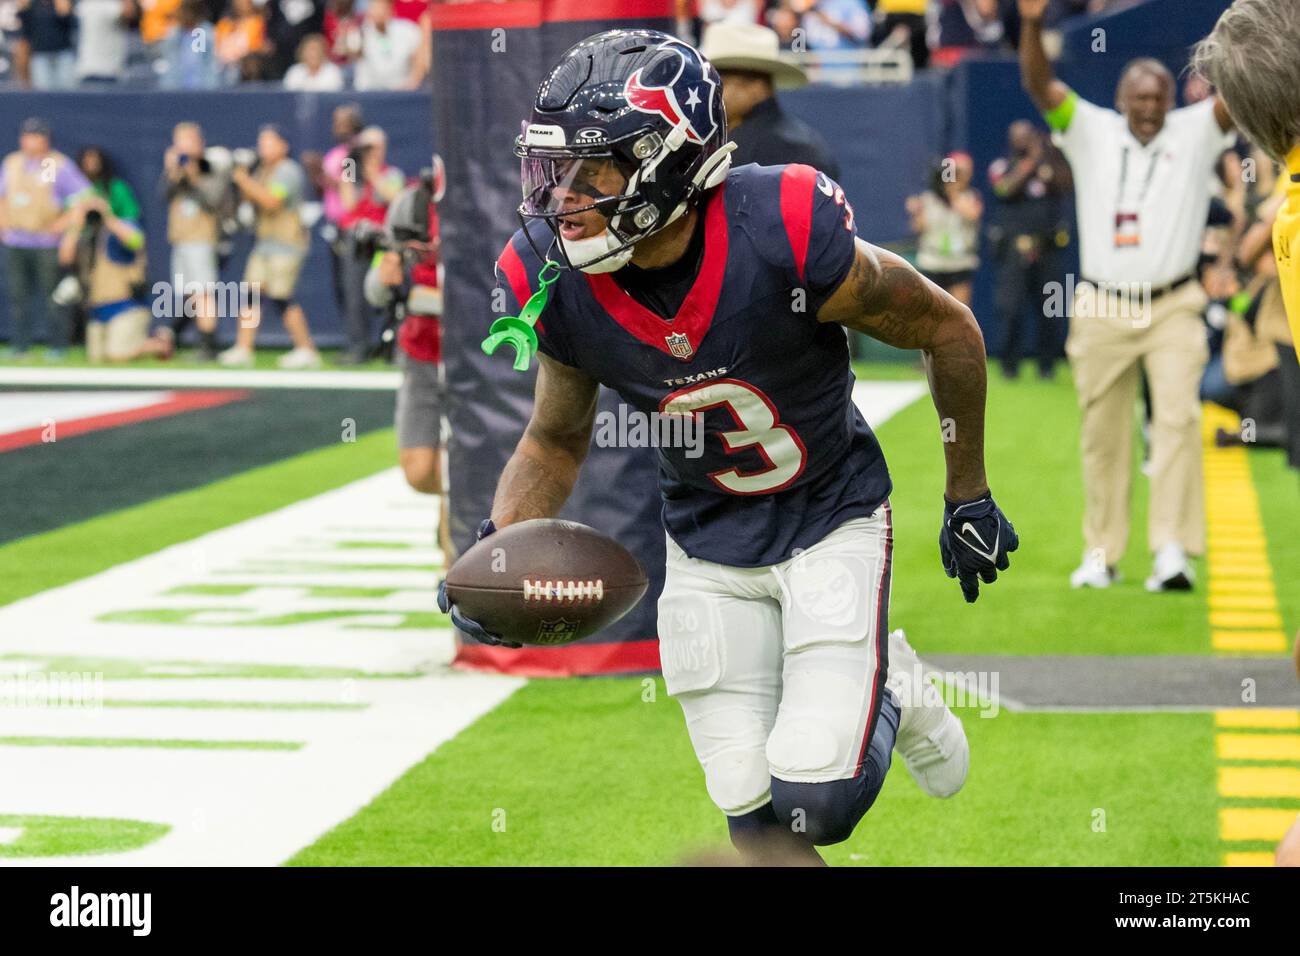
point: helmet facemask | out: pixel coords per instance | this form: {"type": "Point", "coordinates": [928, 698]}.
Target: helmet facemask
{"type": "Point", "coordinates": [617, 181]}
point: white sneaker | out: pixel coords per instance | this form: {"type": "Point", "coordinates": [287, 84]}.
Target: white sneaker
{"type": "Point", "coordinates": [300, 358]}
{"type": "Point", "coordinates": [1172, 571]}
{"type": "Point", "coordinates": [1093, 574]}
{"type": "Point", "coordinates": [235, 357]}
{"type": "Point", "coordinates": [930, 738]}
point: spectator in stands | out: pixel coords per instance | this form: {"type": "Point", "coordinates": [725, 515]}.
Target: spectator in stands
{"type": "Point", "coordinates": [38, 186]}
{"type": "Point", "coordinates": [118, 317]}
{"type": "Point", "coordinates": [196, 188]}
{"type": "Point", "coordinates": [1058, 11]}
{"type": "Point", "coordinates": [288, 22]}
{"type": "Point", "coordinates": [274, 185]}
{"type": "Point", "coordinates": [364, 197]}
{"type": "Point", "coordinates": [747, 57]}
{"type": "Point", "coordinates": [343, 32]}
{"type": "Point", "coordinates": [103, 40]}
{"type": "Point", "coordinates": [313, 71]}
{"type": "Point", "coordinates": [189, 51]}
{"type": "Point", "coordinates": [347, 122]}
{"type": "Point", "coordinates": [1028, 237]}
{"type": "Point", "coordinates": [731, 11]}
{"type": "Point", "coordinates": [901, 23]}
{"type": "Point", "coordinates": [47, 28]}
{"type": "Point", "coordinates": [966, 26]}
{"type": "Point", "coordinates": [157, 19]}
{"type": "Point", "coordinates": [946, 217]}
{"type": "Point", "coordinates": [391, 51]}
{"type": "Point", "coordinates": [833, 24]}
{"type": "Point", "coordinates": [417, 11]}
{"type": "Point", "coordinates": [240, 33]}
{"type": "Point", "coordinates": [1142, 190]}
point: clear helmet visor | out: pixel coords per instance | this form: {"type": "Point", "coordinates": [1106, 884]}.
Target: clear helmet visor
{"type": "Point", "coordinates": [571, 185]}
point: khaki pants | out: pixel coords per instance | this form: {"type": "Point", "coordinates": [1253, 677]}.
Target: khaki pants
{"type": "Point", "coordinates": [1108, 338]}
{"type": "Point", "coordinates": [119, 339]}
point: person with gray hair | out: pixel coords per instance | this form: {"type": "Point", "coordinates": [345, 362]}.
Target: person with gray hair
{"type": "Point", "coordinates": [1142, 174]}
{"type": "Point", "coordinates": [1253, 57]}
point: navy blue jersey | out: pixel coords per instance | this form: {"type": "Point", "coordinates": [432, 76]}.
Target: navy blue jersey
{"type": "Point", "coordinates": [786, 456]}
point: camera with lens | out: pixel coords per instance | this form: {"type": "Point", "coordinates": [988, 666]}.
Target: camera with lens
{"type": "Point", "coordinates": [244, 158]}
{"type": "Point", "coordinates": [358, 153]}
{"type": "Point", "coordinates": [203, 165]}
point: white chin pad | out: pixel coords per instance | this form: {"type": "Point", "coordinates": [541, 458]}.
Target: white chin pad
{"type": "Point", "coordinates": [582, 252]}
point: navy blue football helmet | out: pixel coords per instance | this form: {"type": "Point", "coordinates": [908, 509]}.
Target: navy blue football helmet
{"type": "Point", "coordinates": [638, 103]}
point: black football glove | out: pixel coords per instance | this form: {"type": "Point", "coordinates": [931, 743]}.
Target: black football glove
{"type": "Point", "coordinates": [974, 542]}
{"type": "Point", "coordinates": [472, 629]}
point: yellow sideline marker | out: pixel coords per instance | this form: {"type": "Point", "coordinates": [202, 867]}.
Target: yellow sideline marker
{"type": "Point", "coordinates": [1264, 782]}
{"type": "Point", "coordinates": [1270, 642]}
{"type": "Point", "coordinates": [1259, 747]}
{"type": "Point", "coordinates": [1248, 858]}
{"type": "Point", "coordinates": [1244, 618]}
{"type": "Point", "coordinates": [1242, 596]}
{"type": "Point", "coordinates": [1268, 718]}
{"type": "Point", "coordinates": [1255, 823]}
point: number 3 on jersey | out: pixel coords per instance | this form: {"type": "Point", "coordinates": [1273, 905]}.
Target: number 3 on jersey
{"type": "Point", "coordinates": [759, 429]}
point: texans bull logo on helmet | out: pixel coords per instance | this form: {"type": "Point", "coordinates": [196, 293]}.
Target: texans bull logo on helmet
{"type": "Point", "coordinates": [686, 105]}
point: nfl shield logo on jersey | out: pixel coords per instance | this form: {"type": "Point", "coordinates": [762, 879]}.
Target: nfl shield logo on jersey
{"type": "Point", "coordinates": [679, 345]}
{"type": "Point", "coordinates": [558, 631]}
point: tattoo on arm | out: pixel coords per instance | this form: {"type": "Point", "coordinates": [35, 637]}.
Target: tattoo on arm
{"type": "Point", "coordinates": [887, 299]}
{"type": "Point", "coordinates": [884, 297]}
{"type": "Point", "coordinates": [540, 475]}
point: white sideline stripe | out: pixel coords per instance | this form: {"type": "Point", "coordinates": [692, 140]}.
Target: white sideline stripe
{"type": "Point", "coordinates": [238, 690]}
{"type": "Point", "coordinates": [880, 401]}
{"type": "Point", "coordinates": [240, 807]}
{"type": "Point", "coordinates": [248, 808]}
{"type": "Point", "coordinates": [201, 378]}
{"type": "Point", "coordinates": [22, 410]}
{"type": "Point", "coordinates": [10, 834]}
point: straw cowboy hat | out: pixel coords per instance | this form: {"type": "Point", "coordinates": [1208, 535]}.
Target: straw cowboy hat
{"type": "Point", "coordinates": [748, 46]}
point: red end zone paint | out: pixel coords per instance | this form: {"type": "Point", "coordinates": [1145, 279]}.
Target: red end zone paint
{"type": "Point", "coordinates": [178, 402]}
{"type": "Point", "coordinates": [573, 660]}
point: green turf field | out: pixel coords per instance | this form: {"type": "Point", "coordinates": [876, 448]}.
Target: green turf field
{"type": "Point", "coordinates": [600, 771]}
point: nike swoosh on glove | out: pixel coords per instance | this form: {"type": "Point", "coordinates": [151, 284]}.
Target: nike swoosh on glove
{"type": "Point", "coordinates": [974, 543]}
{"type": "Point", "coordinates": [472, 629]}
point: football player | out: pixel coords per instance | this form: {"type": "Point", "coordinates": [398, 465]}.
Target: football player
{"type": "Point", "coordinates": [691, 288]}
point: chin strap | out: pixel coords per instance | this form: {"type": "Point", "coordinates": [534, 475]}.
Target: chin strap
{"type": "Point", "coordinates": [711, 174]}
{"type": "Point", "coordinates": [517, 330]}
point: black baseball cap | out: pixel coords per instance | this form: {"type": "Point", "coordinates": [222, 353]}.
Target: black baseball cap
{"type": "Point", "coordinates": [34, 124]}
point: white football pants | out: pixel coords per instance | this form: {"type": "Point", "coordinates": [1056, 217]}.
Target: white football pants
{"type": "Point", "coordinates": [780, 670]}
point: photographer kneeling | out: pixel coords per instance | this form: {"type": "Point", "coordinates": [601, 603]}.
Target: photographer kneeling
{"type": "Point", "coordinates": [118, 319]}
{"type": "Point", "coordinates": [403, 280]}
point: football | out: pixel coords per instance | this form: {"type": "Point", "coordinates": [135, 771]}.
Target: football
{"type": "Point", "coordinates": [546, 582]}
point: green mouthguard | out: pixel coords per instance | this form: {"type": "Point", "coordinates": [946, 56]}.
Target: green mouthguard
{"type": "Point", "coordinates": [517, 330]}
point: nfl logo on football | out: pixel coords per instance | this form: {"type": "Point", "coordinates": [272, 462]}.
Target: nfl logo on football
{"type": "Point", "coordinates": [679, 345]}
{"type": "Point", "coordinates": [558, 631]}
